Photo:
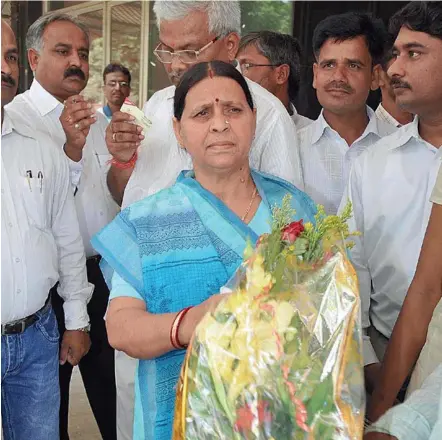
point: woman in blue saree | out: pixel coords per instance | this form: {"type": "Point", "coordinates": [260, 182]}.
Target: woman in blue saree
{"type": "Point", "coordinates": [177, 248]}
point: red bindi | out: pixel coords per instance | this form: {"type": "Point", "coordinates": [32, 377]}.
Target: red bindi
{"type": "Point", "coordinates": [216, 100]}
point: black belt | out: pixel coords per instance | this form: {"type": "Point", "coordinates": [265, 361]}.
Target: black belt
{"type": "Point", "coordinates": [19, 326]}
{"type": "Point", "coordinates": [94, 260]}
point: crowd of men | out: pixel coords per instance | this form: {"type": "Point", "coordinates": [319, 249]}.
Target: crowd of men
{"type": "Point", "coordinates": [67, 169]}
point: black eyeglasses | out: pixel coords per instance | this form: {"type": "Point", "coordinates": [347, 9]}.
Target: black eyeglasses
{"type": "Point", "coordinates": [185, 56]}
{"type": "Point", "coordinates": [247, 66]}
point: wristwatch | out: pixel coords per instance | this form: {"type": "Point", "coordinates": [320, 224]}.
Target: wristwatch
{"type": "Point", "coordinates": [86, 329]}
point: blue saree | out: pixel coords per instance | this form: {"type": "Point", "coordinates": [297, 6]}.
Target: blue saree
{"type": "Point", "coordinates": [176, 249]}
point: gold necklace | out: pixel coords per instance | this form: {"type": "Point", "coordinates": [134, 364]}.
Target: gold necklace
{"type": "Point", "coordinates": [255, 191]}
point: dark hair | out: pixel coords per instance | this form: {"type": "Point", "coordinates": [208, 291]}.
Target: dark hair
{"type": "Point", "coordinates": [420, 17]}
{"type": "Point", "coordinates": [388, 52]}
{"type": "Point", "coordinates": [350, 25]}
{"type": "Point", "coordinates": [278, 49]}
{"type": "Point", "coordinates": [200, 71]}
{"type": "Point", "coordinates": [116, 67]}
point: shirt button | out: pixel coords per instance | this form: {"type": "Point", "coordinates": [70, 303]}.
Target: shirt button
{"type": "Point", "coordinates": [19, 291]}
{"type": "Point", "coordinates": [10, 225]}
{"type": "Point", "coordinates": [101, 213]}
{"type": "Point", "coordinates": [17, 260]}
{"type": "Point", "coordinates": [93, 186]}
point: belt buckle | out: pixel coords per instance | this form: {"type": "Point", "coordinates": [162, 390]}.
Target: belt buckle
{"type": "Point", "coordinates": [14, 327]}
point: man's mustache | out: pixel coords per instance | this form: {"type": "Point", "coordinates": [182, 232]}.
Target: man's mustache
{"type": "Point", "coordinates": [339, 85]}
{"type": "Point", "coordinates": [397, 83]}
{"type": "Point", "coordinates": [75, 71]}
{"type": "Point", "coordinates": [8, 79]}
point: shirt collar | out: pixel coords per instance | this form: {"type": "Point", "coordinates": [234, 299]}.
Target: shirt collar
{"type": "Point", "coordinates": [382, 113]}
{"type": "Point", "coordinates": [320, 125]}
{"type": "Point", "coordinates": [42, 99]}
{"type": "Point", "coordinates": [9, 126]}
{"type": "Point", "coordinates": [407, 132]}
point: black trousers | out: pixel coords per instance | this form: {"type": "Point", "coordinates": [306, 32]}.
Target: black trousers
{"type": "Point", "coordinates": [97, 368]}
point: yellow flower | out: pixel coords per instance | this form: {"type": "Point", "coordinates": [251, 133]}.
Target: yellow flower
{"type": "Point", "coordinates": [241, 378]}
{"type": "Point", "coordinates": [308, 227]}
{"type": "Point", "coordinates": [283, 316]}
{"type": "Point", "coordinates": [258, 280]}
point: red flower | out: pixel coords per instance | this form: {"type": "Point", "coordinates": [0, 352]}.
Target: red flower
{"type": "Point", "coordinates": [245, 417]}
{"type": "Point", "coordinates": [292, 231]}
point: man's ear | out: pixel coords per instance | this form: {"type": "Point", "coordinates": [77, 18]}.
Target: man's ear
{"type": "Point", "coordinates": [232, 45]}
{"type": "Point", "coordinates": [282, 73]}
{"type": "Point", "coordinates": [33, 58]}
{"type": "Point", "coordinates": [177, 130]}
{"type": "Point", "coordinates": [375, 76]}
{"type": "Point", "coordinates": [315, 72]}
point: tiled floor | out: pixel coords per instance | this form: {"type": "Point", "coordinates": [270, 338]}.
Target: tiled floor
{"type": "Point", "coordinates": [82, 424]}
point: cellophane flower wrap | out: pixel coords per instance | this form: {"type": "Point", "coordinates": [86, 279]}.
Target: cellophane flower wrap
{"type": "Point", "coordinates": [280, 358]}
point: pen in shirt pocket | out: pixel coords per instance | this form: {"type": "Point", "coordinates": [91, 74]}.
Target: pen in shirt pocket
{"type": "Point", "coordinates": [29, 177]}
{"type": "Point", "coordinates": [40, 179]}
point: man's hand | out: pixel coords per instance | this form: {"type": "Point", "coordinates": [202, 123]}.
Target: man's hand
{"type": "Point", "coordinates": [76, 120]}
{"type": "Point", "coordinates": [379, 436]}
{"type": "Point", "coordinates": [123, 137]}
{"type": "Point", "coordinates": [74, 346]}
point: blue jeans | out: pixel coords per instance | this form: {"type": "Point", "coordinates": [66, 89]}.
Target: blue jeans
{"type": "Point", "coordinates": [29, 381]}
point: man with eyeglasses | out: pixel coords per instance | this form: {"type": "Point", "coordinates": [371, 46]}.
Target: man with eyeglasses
{"type": "Point", "coordinates": [191, 32]}
{"type": "Point", "coordinates": [116, 89]}
{"type": "Point", "coordinates": [273, 60]}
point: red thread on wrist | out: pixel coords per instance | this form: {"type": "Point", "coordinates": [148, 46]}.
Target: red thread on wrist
{"type": "Point", "coordinates": [124, 165]}
{"type": "Point", "coordinates": [174, 338]}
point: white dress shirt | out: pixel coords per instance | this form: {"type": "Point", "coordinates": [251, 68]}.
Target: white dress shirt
{"type": "Point", "coordinates": [95, 207]}
{"type": "Point", "coordinates": [383, 115]}
{"type": "Point", "coordinates": [326, 158]}
{"type": "Point", "coordinates": [390, 187]}
{"type": "Point", "coordinates": [41, 242]}
{"type": "Point", "coordinates": [160, 159]}
{"type": "Point", "coordinates": [299, 120]}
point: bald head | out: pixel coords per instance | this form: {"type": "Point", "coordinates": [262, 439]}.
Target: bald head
{"type": "Point", "coordinates": [9, 64]}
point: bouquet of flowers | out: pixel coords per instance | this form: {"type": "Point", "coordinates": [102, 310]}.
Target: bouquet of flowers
{"type": "Point", "coordinates": [280, 358]}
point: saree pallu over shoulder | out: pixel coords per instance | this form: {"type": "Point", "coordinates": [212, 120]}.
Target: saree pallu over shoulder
{"type": "Point", "coordinates": [177, 248]}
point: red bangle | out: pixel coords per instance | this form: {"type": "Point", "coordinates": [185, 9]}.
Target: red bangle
{"type": "Point", "coordinates": [174, 339]}
{"type": "Point", "coordinates": [124, 165]}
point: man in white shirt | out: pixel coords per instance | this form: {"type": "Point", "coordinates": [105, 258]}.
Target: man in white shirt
{"type": "Point", "coordinates": [192, 31]}
{"type": "Point", "coordinates": [390, 184]}
{"type": "Point", "coordinates": [347, 47]}
{"type": "Point", "coordinates": [273, 60]}
{"type": "Point", "coordinates": [388, 110]}
{"type": "Point", "coordinates": [58, 49]}
{"type": "Point", "coordinates": [41, 245]}
{"type": "Point", "coordinates": [116, 88]}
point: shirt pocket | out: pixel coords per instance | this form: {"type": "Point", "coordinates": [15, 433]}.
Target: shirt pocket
{"type": "Point", "coordinates": [34, 202]}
